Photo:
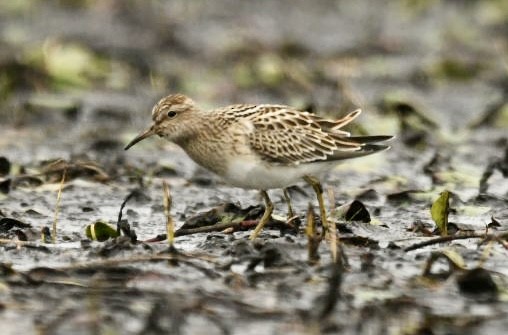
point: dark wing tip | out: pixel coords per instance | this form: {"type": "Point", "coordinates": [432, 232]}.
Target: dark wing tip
{"type": "Point", "coordinates": [370, 139]}
{"type": "Point", "coordinates": [363, 150]}
{"type": "Point", "coordinates": [372, 148]}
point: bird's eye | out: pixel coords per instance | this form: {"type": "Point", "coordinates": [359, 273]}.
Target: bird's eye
{"type": "Point", "coordinates": [171, 114]}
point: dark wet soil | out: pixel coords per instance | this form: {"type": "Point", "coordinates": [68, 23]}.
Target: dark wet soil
{"type": "Point", "coordinates": [77, 82]}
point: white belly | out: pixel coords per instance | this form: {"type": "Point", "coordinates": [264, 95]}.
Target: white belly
{"type": "Point", "coordinates": [261, 176]}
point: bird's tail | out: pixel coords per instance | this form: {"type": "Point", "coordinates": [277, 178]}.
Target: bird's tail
{"type": "Point", "coordinates": [366, 145]}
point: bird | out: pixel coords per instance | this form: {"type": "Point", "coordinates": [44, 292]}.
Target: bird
{"type": "Point", "coordinates": [260, 146]}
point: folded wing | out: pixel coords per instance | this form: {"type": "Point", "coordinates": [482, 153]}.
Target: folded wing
{"type": "Point", "coordinates": [284, 135]}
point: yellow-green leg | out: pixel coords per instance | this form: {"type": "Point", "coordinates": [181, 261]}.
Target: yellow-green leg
{"type": "Point", "coordinates": [318, 189]}
{"type": "Point", "coordinates": [266, 215]}
{"type": "Point", "coordinates": [291, 214]}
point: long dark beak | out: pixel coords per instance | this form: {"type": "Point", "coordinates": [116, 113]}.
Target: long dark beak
{"type": "Point", "coordinates": [140, 137]}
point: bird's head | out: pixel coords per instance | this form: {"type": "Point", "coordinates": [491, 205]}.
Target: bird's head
{"type": "Point", "coordinates": [169, 116]}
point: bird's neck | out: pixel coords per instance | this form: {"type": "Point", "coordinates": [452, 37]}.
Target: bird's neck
{"type": "Point", "coordinates": [203, 143]}
{"type": "Point", "coordinates": [194, 130]}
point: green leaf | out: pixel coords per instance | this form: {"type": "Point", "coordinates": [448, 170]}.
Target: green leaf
{"type": "Point", "coordinates": [439, 212]}
{"type": "Point", "coordinates": [100, 231]}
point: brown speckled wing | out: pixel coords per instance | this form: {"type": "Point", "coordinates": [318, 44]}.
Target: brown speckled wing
{"type": "Point", "coordinates": [285, 135]}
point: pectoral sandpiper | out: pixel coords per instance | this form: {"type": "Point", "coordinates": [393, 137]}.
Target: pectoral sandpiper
{"type": "Point", "coordinates": [260, 146]}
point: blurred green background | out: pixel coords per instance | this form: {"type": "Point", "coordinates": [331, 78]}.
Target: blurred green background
{"type": "Point", "coordinates": [449, 55]}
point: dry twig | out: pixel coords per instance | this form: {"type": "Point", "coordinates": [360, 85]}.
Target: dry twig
{"type": "Point", "coordinates": [449, 238]}
{"type": "Point", "coordinates": [170, 225]}
{"type": "Point", "coordinates": [57, 206]}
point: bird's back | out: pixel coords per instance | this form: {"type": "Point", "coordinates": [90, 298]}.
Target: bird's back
{"type": "Point", "coordinates": [280, 134]}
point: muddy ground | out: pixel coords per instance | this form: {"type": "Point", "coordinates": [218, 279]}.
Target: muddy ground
{"type": "Point", "coordinates": [77, 82]}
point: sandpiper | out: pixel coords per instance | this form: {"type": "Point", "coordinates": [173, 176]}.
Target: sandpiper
{"type": "Point", "coordinates": [260, 146]}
